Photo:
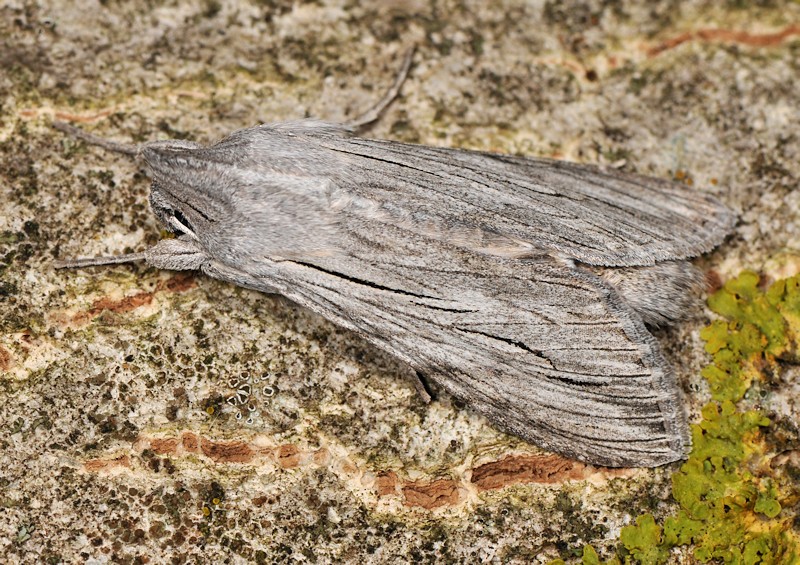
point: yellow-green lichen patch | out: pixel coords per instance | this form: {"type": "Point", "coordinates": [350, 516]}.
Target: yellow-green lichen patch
{"type": "Point", "coordinates": [734, 507]}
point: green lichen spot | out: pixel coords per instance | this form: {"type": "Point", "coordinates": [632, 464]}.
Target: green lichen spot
{"type": "Point", "coordinates": [767, 502]}
{"type": "Point", "coordinates": [743, 303]}
{"type": "Point", "coordinates": [644, 540]}
{"type": "Point", "coordinates": [589, 557]}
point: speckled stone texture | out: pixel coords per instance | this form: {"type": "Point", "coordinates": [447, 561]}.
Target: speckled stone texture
{"type": "Point", "coordinates": [166, 418]}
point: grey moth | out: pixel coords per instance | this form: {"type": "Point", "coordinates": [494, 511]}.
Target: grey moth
{"type": "Point", "coordinates": [522, 286]}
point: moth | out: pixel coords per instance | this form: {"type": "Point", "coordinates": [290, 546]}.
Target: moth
{"type": "Point", "coordinates": [522, 286]}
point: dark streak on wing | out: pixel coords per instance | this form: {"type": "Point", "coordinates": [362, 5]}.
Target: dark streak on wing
{"type": "Point", "coordinates": [356, 280]}
{"type": "Point", "coordinates": [514, 342]}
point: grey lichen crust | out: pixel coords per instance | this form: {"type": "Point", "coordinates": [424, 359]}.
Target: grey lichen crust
{"type": "Point", "coordinates": [148, 414]}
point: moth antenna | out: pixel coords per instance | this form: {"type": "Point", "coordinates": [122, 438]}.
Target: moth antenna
{"type": "Point", "coordinates": [98, 261]}
{"type": "Point", "coordinates": [375, 112]}
{"type": "Point", "coordinates": [72, 131]}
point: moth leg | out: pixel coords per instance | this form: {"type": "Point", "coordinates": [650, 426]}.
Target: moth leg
{"type": "Point", "coordinates": [98, 261]}
{"type": "Point", "coordinates": [375, 112]}
{"type": "Point", "coordinates": [422, 387]}
{"type": "Point", "coordinates": [177, 254]}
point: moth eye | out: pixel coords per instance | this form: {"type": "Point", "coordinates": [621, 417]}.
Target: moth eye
{"type": "Point", "coordinates": [180, 224]}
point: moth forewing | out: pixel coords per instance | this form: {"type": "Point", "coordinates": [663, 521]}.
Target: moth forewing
{"type": "Point", "coordinates": [591, 214]}
{"type": "Point", "coordinates": [549, 354]}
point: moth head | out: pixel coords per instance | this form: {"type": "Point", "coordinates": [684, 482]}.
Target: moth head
{"type": "Point", "coordinates": [170, 214]}
{"type": "Point", "coordinates": [169, 205]}
{"type": "Point", "coordinates": [255, 194]}
{"type": "Point", "coordinates": [185, 195]}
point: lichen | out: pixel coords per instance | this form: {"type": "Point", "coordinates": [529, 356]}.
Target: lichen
{"type": "Point", "coordinates": [733, 507]}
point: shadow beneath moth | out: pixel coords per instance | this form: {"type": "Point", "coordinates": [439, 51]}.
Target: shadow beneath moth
{"type": "Point", "coordinates": [521, 286]}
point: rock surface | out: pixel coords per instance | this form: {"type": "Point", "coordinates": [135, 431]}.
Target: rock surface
{"type": "Point", "coordinates": [158, 417]}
